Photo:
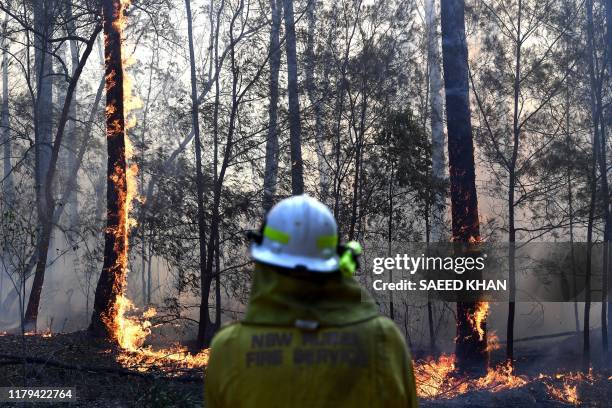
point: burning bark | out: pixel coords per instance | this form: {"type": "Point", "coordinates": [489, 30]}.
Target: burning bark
{"type": "Point", "coordinates": [471, 340]}
{"type": "Point", "coordinates": [109, 303]}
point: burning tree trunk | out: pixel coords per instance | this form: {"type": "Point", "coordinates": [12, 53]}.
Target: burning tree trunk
{"type": "Point", "coordinates": [112, 279]}
{"type": "Point", "coordinates": [471, 316]}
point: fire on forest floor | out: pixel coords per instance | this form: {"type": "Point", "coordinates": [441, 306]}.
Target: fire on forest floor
{"type": "Point", "coordinates": [164, 375]}
{"type": "Point", "coordinates": [437, 380]}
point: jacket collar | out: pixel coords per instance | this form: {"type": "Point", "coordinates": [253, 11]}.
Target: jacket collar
{"type": "Point", "coordinates": [282, 297]}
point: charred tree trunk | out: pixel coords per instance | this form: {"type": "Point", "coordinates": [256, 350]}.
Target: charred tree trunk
{"type": "Point", "coordinates": [469, 347]}
{"type": "Point", "coordinates": [112, 279]}
{"type": "Point", "coordinates": [297, 166]}
{"type": "Point", "coordinates": [271, 169]}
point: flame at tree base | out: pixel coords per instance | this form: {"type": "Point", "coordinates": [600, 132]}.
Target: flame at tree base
{"type": "Point", "coordinates": [131, 333]}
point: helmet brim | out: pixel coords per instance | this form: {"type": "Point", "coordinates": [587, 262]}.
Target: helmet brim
{"type": "Point", "coordinates": [265, 255]}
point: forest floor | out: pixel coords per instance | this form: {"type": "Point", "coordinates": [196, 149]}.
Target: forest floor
{"type": "Point", "coordinates": [90, 365]}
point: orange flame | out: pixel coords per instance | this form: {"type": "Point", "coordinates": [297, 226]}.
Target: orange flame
{"type": "Point", "coordinates": [479, 317]}
{"type": "Point", "coordinates": [131, 330]}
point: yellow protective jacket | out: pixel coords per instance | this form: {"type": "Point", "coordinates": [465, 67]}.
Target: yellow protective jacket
{"type": "Point", "coordinates": [309, 342]}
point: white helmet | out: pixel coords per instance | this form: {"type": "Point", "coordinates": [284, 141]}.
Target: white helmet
{"type": "Point", "coordinates": [299, 232]}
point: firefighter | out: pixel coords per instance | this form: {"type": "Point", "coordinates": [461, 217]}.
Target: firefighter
{"type": "Point", "coordinates": [311, 337]}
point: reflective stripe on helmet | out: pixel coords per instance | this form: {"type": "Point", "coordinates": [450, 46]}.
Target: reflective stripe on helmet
{"type": "Point", "coordinates": [276, 235]}
{"type": "Point", "coordinates": [327, 241]}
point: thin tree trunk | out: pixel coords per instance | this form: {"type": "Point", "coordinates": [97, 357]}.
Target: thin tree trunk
{"type": "Point", "coordinates": [316, 100]}
{"type": "Point", "coordinates": [511, 190]}
{"type": "Point", "coordinates": [43, 122]}
{"type": "Point", "coordinates": [586, 358]}
{"type": "Point", "coordinates": [206, 326]}
{"type": "Point", "coordinates": [469, 347]}
{"type": "Point", "coordinates": [438, 158]}
{"type": "Point", "coordinates": [111, 283]}
{"type": "Point", "coordinates": [295, 143]}
{"type": "Point", "coordinates": [434, 230]}
{"type": "Point", "coordinates": [49, 215]}
{"type": "Point", "coordinates": [8, 186]}
{"type": "Point", "coordinates": [271, 166]}
{"type": "Point", "coordinates": [570, 195]}
{"type": "Point", "coordinates": [390, 238]}
{"type": "Point", "coordinates": [198, 147]}
{"type": "Point", "coordinates": [599, 143]}
{"type": "Point", "coordinates": [608, 247]}
{"type": "Point", "coordinates": [71, 131]}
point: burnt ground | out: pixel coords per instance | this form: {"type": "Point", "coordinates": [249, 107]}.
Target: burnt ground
{"type": "Point", "coordinates": [89, 364]}
{"type": "Point", "coordinates": [549, 357]}
{"type": "Point", "coordinates": [78, 360]}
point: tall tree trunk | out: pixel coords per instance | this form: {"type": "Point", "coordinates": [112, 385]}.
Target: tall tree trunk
{"type": "Point", "coordinates": [570, 171]}
{"type": "Point", "coordinates": [271, 166]}
{"type": "Point", "coordinates": [435, 228]}
{"type": "Point", "coordinates": [111, 283]}
{"type": "Point", "coordinates": [316, 100]}
{"type": "Point", "coordinates": [609, 35]}
{"type": "Point", "coordinates": [469, 347]}
{"type": "Point", "coordinates": [359, 135]}
{"type": "Point", "coordinates": [71, 131]}
{"type": "Point", "coordinates": [438, 159]}
{"type": "Point", "coordinates": [297, 166]}
{"type": "Point", "coordinates": [8, 187]}
{"type": "Point", "coordinates": [586, 358]}
{"type": "Point", "coordinates": [206, 328]}
{"type": "Point", "coordinates": [511, 190]}
{"type": "Point", "coordinates": [49, 216]}
{"type": "Point", "coordinates": [198, 147]}
{"type": "Point", "coordinates": [608, 248]}
{"type": "Point", "coordinates": [599, 143]}
{"type": "Point", "coordinates": [43, 122]}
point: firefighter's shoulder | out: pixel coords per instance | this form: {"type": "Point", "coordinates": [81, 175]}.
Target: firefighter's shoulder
{"type": "Point", "coordinates": [390, 331]}
{"type": "Point", "coordinates": [226, 333]}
